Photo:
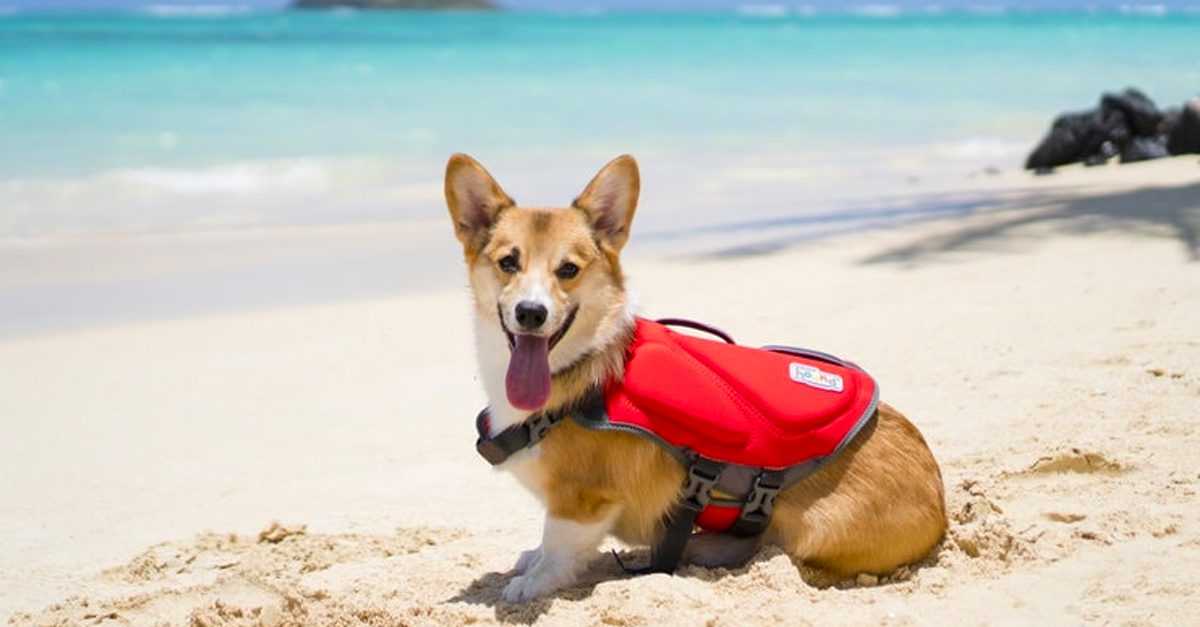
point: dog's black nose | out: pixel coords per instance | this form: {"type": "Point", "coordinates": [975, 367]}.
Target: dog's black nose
{"type": "Point", "coordinates": [530, 316]}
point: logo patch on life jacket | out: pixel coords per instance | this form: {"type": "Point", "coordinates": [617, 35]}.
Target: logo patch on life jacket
{"type": "Point", "coordinates": [815, 377]}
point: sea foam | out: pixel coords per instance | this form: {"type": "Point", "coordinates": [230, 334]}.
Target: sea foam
{"type": "Point", "coordinates": [195, 10]}
{"type": "Point", "coordinates": [1156, 10]}
{"type": "Point", "coordinates": [298, 191]}
{"type": "Point", "coordinates": [246, 177]}
{"type": "Point", "coordinates": [881, 11]}
{"type": "Point", "coordinates": [763, 10]}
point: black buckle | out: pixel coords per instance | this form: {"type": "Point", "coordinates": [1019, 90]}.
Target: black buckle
{"type": "Point", "coordinates": [761, 500]}
{"type": "Point", "coordinates": [513, 439]}
{"type": "Point", "coordinates": [702, 476]}
{"type": "Point", "coordinates": [537, 426]}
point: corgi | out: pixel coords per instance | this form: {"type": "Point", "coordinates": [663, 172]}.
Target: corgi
{"type": "Point", "coordinates": [553, 321]}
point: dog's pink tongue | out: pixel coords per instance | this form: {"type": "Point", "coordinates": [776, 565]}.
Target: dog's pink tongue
{"type": "Point", "coordinates": [528, 378]}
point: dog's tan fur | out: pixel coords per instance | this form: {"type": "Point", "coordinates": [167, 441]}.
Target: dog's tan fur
{"type": "Point", "coordinates": [876, 506]}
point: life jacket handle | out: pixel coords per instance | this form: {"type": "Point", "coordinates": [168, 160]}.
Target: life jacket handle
{"type": "Point", "coordinates": [698, 326]}
{"type": "Point", "coordinates": [774, 348]}
{"type": "Point", "coordinates": [812, 354]}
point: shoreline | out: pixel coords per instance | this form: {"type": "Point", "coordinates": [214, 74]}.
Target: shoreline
{"type": "Point", "coordinates": [75, 282]}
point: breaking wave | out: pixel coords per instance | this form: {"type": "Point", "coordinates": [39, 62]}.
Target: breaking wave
{"type": "Point", "coordinates": [195, 10]}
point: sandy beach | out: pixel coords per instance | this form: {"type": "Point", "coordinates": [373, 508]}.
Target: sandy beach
{"type": "Point", "coordinates": [313, 463]}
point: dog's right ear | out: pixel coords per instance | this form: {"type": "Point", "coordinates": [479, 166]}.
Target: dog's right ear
{"type": "Point", "coordinates": [474, 199]}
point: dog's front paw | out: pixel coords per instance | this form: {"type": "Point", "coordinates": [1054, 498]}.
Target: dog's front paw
{"type": "Point", "coordinates": [527, 559]}
{"type": "Point", "coordinates": [544, 577]}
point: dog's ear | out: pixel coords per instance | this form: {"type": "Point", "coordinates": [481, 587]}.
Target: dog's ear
{"type": "Point", "coordinates": [474, 199]}
{"type": "Point", "coordinates": [610, 200]}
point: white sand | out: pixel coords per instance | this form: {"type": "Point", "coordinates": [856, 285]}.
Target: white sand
{"type": "Point", "coordinates": [1047, 347]}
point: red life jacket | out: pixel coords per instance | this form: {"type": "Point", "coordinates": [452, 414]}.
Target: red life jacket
{"type": "Point", "coordinates": [746, 422]}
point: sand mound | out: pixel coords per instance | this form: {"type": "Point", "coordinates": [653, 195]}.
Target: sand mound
{"type": "Point", "coordinates": [1076, 460]}
{"type": "Point", "coordinates": [979, 528]}
{"type": "Point", "coordinates": [226, 579]}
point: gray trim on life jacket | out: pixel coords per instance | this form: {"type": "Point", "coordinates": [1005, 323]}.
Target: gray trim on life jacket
{"type": "Point", "coordinates": [736, 480]}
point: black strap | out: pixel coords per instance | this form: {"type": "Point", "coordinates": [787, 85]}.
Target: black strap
{"type": "Point", "coordinates": [513, 439]}
{"type": "Point", "coordinates": [664, 558]}
{"type": "Point", "coordinates": [759, 503]}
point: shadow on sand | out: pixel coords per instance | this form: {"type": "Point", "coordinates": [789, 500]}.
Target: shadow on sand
{"type": "Point", "coordinates": [1171, 212]}
{"type": "Point", "coordinates": [487, 589]}
{"type": "Point", "coordinates": [1005, 218]}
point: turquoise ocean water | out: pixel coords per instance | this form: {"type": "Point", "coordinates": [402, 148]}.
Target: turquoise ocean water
{"type": "Point", "coordinates": [137, 120]}
{"type": "Point", "coordinates": [157, 164]}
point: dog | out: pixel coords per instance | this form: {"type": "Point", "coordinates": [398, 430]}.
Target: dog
{"type": "Point", "coordinates": [553, 320]}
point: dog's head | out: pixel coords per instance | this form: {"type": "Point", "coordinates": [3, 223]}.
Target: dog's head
{"type": "Point", "coordinates": [546, 279]}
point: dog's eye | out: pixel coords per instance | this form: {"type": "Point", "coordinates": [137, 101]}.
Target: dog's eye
{"type": "Point", "coordinates": [567, 271]}
{"type": "Point", "coordinates": [510, 264]}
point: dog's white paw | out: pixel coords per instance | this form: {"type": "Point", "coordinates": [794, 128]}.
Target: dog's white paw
{"type": "Point", "coordinates": [527, 559]}
{"type": "Point", "coordinates": [544, 577]}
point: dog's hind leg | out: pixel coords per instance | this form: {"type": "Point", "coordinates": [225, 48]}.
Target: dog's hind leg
{"type": "Point", "coordinates": [719, 550]}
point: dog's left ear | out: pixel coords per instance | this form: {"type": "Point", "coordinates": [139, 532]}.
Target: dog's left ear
{"type": "Point", "coordinates": [610, 200]}
{"type": "Point", "coordinates": [474, 199]}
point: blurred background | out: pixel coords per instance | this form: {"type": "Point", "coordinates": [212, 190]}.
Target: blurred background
{"type": "Point", "coordinates": [160, 158]}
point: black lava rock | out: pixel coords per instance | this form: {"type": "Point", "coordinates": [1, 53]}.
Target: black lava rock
{"type": "Point", "coordinates": [1169, 120]}
{"type": "Point", "coordinates": [1107, 151]}
{"type": "Point", "coordinates": [1126, 124]}
{"type": "Point", "coordinates": [1141, 114]}
{"type": "Point", "coordinates": [1144, 149]}
{"type": "Point", "coordinates": [1089, 136]}
{"type": "Point", "coordinates": [1184, 136]}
